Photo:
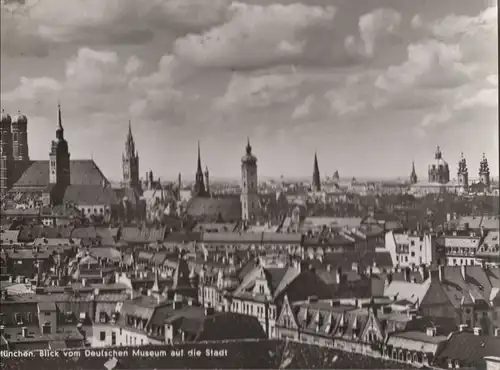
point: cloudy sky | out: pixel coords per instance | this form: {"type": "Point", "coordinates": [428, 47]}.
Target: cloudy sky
{"type": "Point", "coordinates": [371, 85]}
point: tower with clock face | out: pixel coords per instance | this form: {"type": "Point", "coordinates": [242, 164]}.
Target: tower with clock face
{"type": "Point", "coordinates": [59, 166]}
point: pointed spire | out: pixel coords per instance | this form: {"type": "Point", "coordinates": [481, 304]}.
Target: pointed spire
{"type": "Point", "coordinates": [199, 158]}
{"type": "Point", "coordinates": [316, 176]}
{"type": "Point", "coordinates": [156, 284]}
{"type": "Point", "coordinates": [249, 147]}
{"type": "Point", "coordinates": [59, 117]}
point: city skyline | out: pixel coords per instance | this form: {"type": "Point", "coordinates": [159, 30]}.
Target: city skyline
{"type": "Point", "coordinates": [370, 87]}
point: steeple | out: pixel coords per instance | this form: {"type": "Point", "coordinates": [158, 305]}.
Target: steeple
{"type": "Point", "coordinates": [484, 171]}
{"type": "Point", "coordinates": [462, 164]}
{"type": "Point", "coordinates": [463, 173]}
{"type": "Point", "coordinates": [249, 147]}
{"type": "Point", "coordinates": [199, 187]}
{"type": "Point", "coordinates": [438, 153]}
{"type": "Point", "coordinates": [207, 180]}
{"type": "Point", "coordinates": [130, 161]}
{"type": "Point", "coordinates": [316, 182]}
{"type": "Point", "coordinates": [413, 175]}
{"type": "Point", "coordinates": [60, 128]}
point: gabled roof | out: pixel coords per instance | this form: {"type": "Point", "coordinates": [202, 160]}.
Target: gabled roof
{"type": "Point", "coordinates": [82, 172]}
{"type": "Point", "coordinates": [469, 348]}
{"type": "Point", "coordinates": [226, 209]}
{"type": "Point", "coordinates": [90, 195]}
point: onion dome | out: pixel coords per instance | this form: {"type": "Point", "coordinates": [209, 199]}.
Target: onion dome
{"type": "Point", "coordinates": [5, 119]}
{"type": "Point", "coordinates": [439, 159]}
{"type": "Point", "coordinates": [19, 119]}
{"type": "Point", "coordinates": [249, 158]}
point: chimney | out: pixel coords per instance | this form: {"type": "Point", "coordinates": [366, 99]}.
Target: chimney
{"type": "Point", "coordinates": [25, 331]}
{"type": "Point", "coordinates": [388, 278]}
{"type": "Point", "coordinates": [407, 274]}
{"type": "Point", "coordinates": [2, 329]}
{"type": "Point", "coordinates": [478, 331]}
{"type": "Point", "coordinates": [431, 332]}
{"type": "Point", "coordinates": [84, 282]}
{"type": "Point", "coordinates": [462, 327]}
{"type": "Point", "coordinates": [339, 275]}
{"type": "Point", "coordinates": [497, 332]}
{"type": "Point", "coordinates": [209, 311]}
{"type": "Point", "coordinates": [329, 268]}
{"type": "Point", "coordinates": [441, 273]}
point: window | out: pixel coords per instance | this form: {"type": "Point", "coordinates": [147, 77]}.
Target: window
{"type": "Point", "coordinates": [102, 336]}
{"type": "Point", "coordinates": [46, 313]}
{"type": "Point", "coordinates": [46, 328]}
{"type": "Point", "coordinates": [412, 243]}
{"type": "Point", "coordinates": [413, 254]}
{"type": "Point", "coordinates": [113, 338]}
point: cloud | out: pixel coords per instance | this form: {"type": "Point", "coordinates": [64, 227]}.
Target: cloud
{"type": "Point", "coordinates": [436, 118]}
{"type": "Point", "coordinates": [303, 110]}
{"type": "Point", "coordinates": [259, 91]}
{"type": "Point", "coordinates": [133, 65]}
{"type": "Point", "coordinates": [376, 25]}
{"type": "Point", "coordinates": [487, 98]}
{"type": "Point", "coordinates": [92, 78]}
{"type": "Point", "coordinates": [32, 89]}
{"type": "Point", "coordinates": [30, 27]}
{"type": "Point", "coordinates": [256, 36]}
{"type": "Point", "coordinates": [431, 65]}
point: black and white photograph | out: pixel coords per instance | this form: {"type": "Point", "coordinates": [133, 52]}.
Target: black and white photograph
{"type": "Point", "coordinates": [249, 184]}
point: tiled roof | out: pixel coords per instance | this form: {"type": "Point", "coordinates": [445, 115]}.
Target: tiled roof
{"type": "Point", "coordinates": [90, 195]}
{"type": "Point", "coordinates": [252, 238]}
{"type": "Point", "coordinates": [215, 209]}
{"type": "Point", "coordinates": [469, 348]}
{"type": "Point", "coordinates": [131, 194]}
{"type": "Point", "coordinates": [9, 236]}
{"type": "Point", "coordinates": [142, 235]}
{"type": "Point", "coordinates": [82, 172]}
{"type": "Point", "coordinates": [416, 341]}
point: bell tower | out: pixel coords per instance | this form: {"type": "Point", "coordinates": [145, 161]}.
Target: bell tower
{"type": "Point", "coordinates": [316, 180]}
{"type": "Point", "coordinates": [59, 156]}
{"type": "Point", "coordinates": [484, 172]}
{"type": "Point", "coordinates": [463, 173]}
{"type": "Point", "coordinates": [20, 138]}
{"type": "Point", "coordinates": [5, 152]}
{"type": "Point", "coordinates": [413, 175]}
{"type": "Point", "coordinates": [130, 162]}
{"type": "Point", "coordinates": [249, 185]}
{"type": "Point", "coordinates": [199, 186]}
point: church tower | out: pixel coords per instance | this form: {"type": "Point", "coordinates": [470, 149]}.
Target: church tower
{"type": "Point", "coordinates": [413, 175]}
{"type": "Point", "coordinates": [199, 186]}
{"type": "Point", "coordinates": [316, 180]}
{"type": "Point", "coordinates": [207, 180]}
{"type": "Point", "coordinates": [59, 157]}
{"type": "Point", "coordinates": [20, 138]}
{"type": "Point", "coordinates": [5, 151]}
{"type": "Point", "coordinates": [484, 172]}
{"type": "Point", "coordinates": [463, 173]}
{"type": "Point", "coordinates": [130, 162]}
{"type": "Point", "coordinates": [249, 185]}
